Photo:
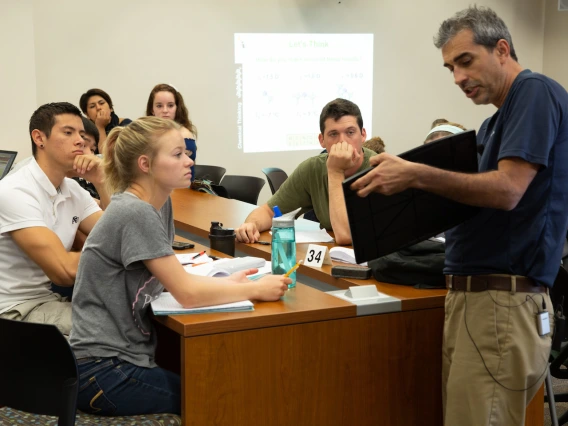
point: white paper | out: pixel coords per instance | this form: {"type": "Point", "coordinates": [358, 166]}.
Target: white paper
{"type": "Point", "coordinates": [306, 225]}
{"type": "Point", "coordinates": [225, 267]}
{"type": "Point", "coordinates": [343, 254]}
{"type": "Point", "coordinates": [187, 258]}
{"type": "Point", "coordinates": [166, 303]}
{"type": "Point", "coordinates": [320, 236]}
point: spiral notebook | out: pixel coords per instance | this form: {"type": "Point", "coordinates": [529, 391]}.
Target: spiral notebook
{"type": "Point", "coordinates": [165, 304]}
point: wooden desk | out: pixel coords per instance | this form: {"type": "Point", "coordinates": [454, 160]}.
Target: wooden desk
{"type": "Point", "coordinates": [193, 212]}
{"type": "Point", "coordinates": [307, 359]}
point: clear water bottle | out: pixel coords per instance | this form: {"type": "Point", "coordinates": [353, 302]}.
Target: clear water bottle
{"type": "Point", "coordinates": [283, 245]}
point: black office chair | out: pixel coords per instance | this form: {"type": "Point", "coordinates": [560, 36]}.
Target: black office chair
{"type": "Point", "coordinates": [38, 370]}
{"type": "Point", "coordinates": [243, 188]}
{"type": "Point", "coordinates": [275, 177]}
{"type": "Point", "coordinates": [211, 173]}
{"type": "Point", "coordinates": [559, 353]}
{"type": "Point", "coordinates": [39, 375]}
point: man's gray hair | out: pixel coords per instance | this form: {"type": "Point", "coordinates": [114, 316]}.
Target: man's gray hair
{"type": "Point", "coordinates": [486, 26]}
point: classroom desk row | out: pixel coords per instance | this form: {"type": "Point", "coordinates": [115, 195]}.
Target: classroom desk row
{"type": "Point", "coordinates": [194, 211]}
{"type": "Point", "coordinates": [307, 359]}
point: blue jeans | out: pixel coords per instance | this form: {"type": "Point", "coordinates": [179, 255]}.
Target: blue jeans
{"type": "Point", "coordinates": [112, 387]}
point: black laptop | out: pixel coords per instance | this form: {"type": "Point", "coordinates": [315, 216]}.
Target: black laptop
{"type": "Point", "coordinates": [382, 224]}
{"type": "Point", "coordinates": [6, 160]}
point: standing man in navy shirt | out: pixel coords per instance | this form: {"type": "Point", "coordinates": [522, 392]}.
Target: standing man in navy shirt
{"type": "Point", "coordinates": [501, 263]}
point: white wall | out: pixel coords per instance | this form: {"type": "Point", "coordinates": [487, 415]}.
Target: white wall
{"type": "Point", "coordinates": [17, 75]}
{"type": "Point", "coordinates": [126, 47]}
{"type": "Point", "coordinates": [556, 43]}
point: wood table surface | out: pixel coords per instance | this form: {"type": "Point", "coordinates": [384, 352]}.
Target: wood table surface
{"type": "Point", "coordinates": [306, 359]}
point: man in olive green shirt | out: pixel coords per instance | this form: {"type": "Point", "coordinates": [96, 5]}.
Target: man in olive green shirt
{"type": "Point", "coordinates": [316, 182]}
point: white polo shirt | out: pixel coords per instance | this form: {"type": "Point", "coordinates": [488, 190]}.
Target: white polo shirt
{"type": "Point", "coordinates": [29, 199]}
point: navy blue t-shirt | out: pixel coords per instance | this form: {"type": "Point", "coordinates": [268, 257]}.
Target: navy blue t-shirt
{"type": "Point", "coordinates": [191, 145]}
{"type": "Point", "coordinates": [532, 124]}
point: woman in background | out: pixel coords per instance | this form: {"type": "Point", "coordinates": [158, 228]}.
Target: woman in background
{"type": "Point", "coordinates": [126, 263]}
{"type": "Point", "coordinates": [166, 102]}
{"type": "Point", "coordinates": [97, 105]}
{"type": "Point", "coordinates": [441, 128]}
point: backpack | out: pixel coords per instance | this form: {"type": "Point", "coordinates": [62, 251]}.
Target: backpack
{"type": "Point", "coordinates": [420, 265]}
{"type": "Point", "coordinates": [204, 185]}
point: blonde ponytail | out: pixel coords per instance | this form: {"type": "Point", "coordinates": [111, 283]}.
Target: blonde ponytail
{"type": "Point", "coordinates": [124, 145]}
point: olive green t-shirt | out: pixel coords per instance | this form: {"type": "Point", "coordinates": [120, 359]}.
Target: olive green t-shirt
{"type": "Point", "coordinates": [307, 187]}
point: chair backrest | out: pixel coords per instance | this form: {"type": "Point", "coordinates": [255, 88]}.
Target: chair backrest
{"type": "Point", "coordinates": [243, 188]}
{"type": "Point", "coordinates": [6, 160]}
{"type": "Point", "coordinates": [38, 370]}
{"type": "Point", "coordinates": [212, 173]}
{"type": "Point", "coordinates": [275, 177]}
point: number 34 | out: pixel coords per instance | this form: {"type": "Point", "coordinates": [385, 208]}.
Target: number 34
{"type": "Point", "coordinates": [311, 257]}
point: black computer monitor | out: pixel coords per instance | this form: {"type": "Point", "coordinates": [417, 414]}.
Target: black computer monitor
{"type": "Point", "coordinates": [6, 160]}
{"type": "Point", "coordinates": [382, 224]}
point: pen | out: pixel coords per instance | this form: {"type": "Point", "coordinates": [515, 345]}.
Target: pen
{"type": "Point", "coordinates": [264, 243]}
{"type": "Point", "coordinates": [293, 268]}
{"type": "Point", "coordinates": [198, 254]}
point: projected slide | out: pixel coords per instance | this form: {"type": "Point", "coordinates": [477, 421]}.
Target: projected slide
{"type": "Point", "coordinates": [284, 80]}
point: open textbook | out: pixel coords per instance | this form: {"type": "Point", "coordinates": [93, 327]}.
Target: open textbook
{"type": "Point", "coordinates": [225, 267]}
{"type": "Point", "coordinates": [165, 304]}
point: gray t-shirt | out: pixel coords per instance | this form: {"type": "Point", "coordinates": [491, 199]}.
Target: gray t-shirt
{"type": "Point", "coordinates": [113, 288]}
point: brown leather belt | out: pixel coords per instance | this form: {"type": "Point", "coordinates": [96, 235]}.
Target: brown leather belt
{"type": "Point", "coordinates": [512, 283]}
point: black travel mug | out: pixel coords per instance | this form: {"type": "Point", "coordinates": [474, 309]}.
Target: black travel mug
{"type": "Point", "coordinates": [221, 239]}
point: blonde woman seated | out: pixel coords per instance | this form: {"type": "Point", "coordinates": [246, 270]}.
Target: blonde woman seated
{"type": "Point", "coordinates": [127, 262]}
{"type": "Point", "coordinates": [441, 128]}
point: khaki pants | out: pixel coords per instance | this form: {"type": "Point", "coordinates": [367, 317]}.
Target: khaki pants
{"type": "Point", "coordinates": [53, 309]}
{"type": "Point", "coordinates": [492, 333]}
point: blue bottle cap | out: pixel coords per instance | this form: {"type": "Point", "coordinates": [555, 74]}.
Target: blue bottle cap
{"type": "Point", "coordinates": [277, 212]}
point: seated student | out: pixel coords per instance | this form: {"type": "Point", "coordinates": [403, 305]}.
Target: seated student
{"type": "Point", "coordinates": [316, 182]}
{"type": "Point", "coordinates": [441, 128]}
{"type": "Point", "coordinates": [41, 212]}
{"type": "Point", "coordinates": [97, 105]}
{"type": "Point", "coordinates": [126, 263]}
{"type": "Point", "coordinates": [166, 102]}
{"type": "Point", "coordinates": [375, 144]}
{"type": "Point", "coordinates": [91, 138]}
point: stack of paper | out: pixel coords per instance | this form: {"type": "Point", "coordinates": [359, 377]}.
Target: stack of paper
{"type": "Point", "coordinates": [343, 254]}
{"type": "Point", "coordinates": [165, 304]}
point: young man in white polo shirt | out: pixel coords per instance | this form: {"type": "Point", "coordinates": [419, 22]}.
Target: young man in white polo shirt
{"type": "Point", "coordinates": [40, 214]}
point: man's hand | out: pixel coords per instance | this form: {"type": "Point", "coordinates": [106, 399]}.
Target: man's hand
{"type": "Point", "coordinates": [341, 157]}
{"type": "Point", "coordinates": [102, 119]}
{"type": "Point", "coordinates": [247, 233]}
{"type": "Point", "coordinates": [391, 175]}
{"type": "Point", "coordinates": [89, 168]}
